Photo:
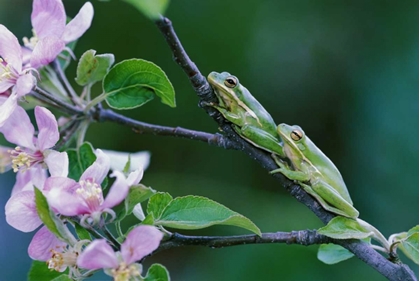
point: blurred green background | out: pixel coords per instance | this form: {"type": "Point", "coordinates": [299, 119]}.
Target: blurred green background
{"type": "Point", "coordinates": [345, 71]}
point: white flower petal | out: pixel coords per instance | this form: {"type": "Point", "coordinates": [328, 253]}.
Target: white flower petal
{"type": "Point", "coordinates": [79, 24]}
{"type": "Point", "coordinates": [119, 159]}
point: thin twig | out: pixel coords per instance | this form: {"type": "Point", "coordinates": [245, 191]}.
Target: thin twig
{"type": "Point", "coordinates": [202, 88]}
{"type": "Point", "coordinates": [61, 104]}
{"type": "Point", "coordinates": [142, 127]}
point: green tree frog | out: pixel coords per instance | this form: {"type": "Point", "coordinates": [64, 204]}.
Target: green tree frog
{"type": "Point", "coordinates": [314, 171]}
{"type": "Point", "coordinates": [251, 121]}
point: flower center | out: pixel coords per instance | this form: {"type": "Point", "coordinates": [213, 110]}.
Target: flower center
{"type": "Point", "coordinates": [124, 272]}
{"type": "Point", "coordinates": [23, 160]}
{"type": "Point", "coordinates": [30, 43]}
{"type": "Point", "coordinates": [91, 192]}
{"type": "Point", "coordinates": [6, 71]}
{"type": "Point", "coordinates": [59, 261]}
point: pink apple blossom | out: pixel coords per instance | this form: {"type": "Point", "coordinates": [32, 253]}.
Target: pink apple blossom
{"type": "Point", "coordinates": [12, 75]}
{"type": "Point", "coordinates": [140, 242]}
{"type": "Point", "coordinates": [71, 198]}
{"type": "Point", "coordinates": [59, 256]}
{"type": "Point", "coordinates": [51, 33]}
{"type": "Point", "coordinates": [30, 160]}
{"type": "Point", "coordinates": [34, 151]}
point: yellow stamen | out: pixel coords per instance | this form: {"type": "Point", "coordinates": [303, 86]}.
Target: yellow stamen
{"type": "Point", "coordinates": [124, 272]}
{"type": "Point", "coordinates": [59, 261]}
{"type": "Point", "coordinates": [91, 192]}
{"type": "Point", "coordinates": [20, 159]}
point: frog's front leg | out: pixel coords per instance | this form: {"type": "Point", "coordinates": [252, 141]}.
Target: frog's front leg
{"type": "Point", "coordinates": [287, 172]}
{"type": "Point", "coordinates": [229, 115]}
{"type": "Point", "coordinates": [260, 138]}
{"type": "Point", "coordinates": [330, 199]}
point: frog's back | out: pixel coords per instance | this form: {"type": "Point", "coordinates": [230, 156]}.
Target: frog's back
{"type": "Point", "coordinates": [266, 120]}
{"type": "Point", "coordinates": [329, 171]}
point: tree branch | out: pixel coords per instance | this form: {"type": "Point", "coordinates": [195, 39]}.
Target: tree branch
{"type": "Point", "coordinates": [205, 93]}
{"type": "Point", "coordinates": [302, 237]}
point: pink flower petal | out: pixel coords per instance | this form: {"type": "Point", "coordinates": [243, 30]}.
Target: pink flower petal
{"type": "Point", "coordinates": [7, 108]}
{"type": "Point", "coordinates": [24, 84]}
{"type": "Point", "coordinates": [42, 245]}
{"type": "Point", "coordinates": [34, 177]}
{"type": "Point", "coordinates": [26, 55]}
{"type": "Point", "coordinates": [46, 50]}
{"type": "Point", "coordinates": [140, 242]}
{"type": "Point", "coordinates": [18, 128]}
{"type": "Point", "coordinates": [79, 24]}
{"type": "Point", "coordinates": [57, 162]}
{"type": "Point", "coordinates": [96, 255]}
{"type": "Point", "coordinates": [5, 84]}
{"type": "Point", "coordinates": [10, 49]}
{"type": "Point", "coordinates": [99, 169]}
{"type": "Point", "coordinates": [61, 196]}
{"type": "Point", "coordinates": [48, 18]}
{"type": "Point", "coordinates": [117, 192]}
{"type": "Point", "coordinates": [47, 126]}
{"type": "Point", "coordinates": [21, 212]}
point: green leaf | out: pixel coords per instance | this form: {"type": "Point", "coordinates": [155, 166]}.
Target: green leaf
{"type": "Point", "coordinates": [195, 212]}
{"type": "Point", "coordinates": [331, 253]}
{"type": "Point", "coordinates": [149, 220]}
{"type": "Point", "coordinates": [47, 216]}
{"type": "Point", "coordinates": [344, 228]}
{"type": "Point", "coordinates": [137, 194]}
{"type": "Point", "coordinates": [93, 68]}
{"type": "Point", "coordinates": [80, 160]}
{"type": "Point", "coordinates": [410, 245]}
{"type": "Point", "coordinates": [132, 83]}
{"type": "Point", "coordinates": [150, 8]}
{"type": "Point", "coordinates": [413, 230]}
{"type": "Point", "coordinates": [157, 203]}
{"type": "Point", "coordinates": [126, 169]}
{"type": "Point", "coordinates": [82, 233]}
{"type": "Point", "coordinates": [39, 271]}
{"type": "Point", "coordinates": [157, 272]}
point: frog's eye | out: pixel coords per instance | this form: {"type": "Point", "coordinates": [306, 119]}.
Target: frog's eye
{"type": "Point", "coordinates": [231, 82]}
{"type": "Point", "coordinates": [296, 135]}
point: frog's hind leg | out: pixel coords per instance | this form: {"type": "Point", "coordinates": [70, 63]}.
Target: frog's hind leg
{"type": "Point", "coordinates": [261, 139]}
{"type": "Point", "coordinates": [319, 191]}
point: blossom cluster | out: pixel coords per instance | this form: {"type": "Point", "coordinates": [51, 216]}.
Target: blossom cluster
{"type": "Point", "coordinates": [40, 165]}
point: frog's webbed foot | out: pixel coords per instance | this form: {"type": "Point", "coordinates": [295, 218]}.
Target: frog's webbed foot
{"type": "Point", "coordinates": [288, 172]}
{"type": "Point", "coordinates": [283, 167]}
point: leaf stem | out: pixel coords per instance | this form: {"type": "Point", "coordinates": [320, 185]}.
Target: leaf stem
{"type": "Point", "coordinates": [94, 102]}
